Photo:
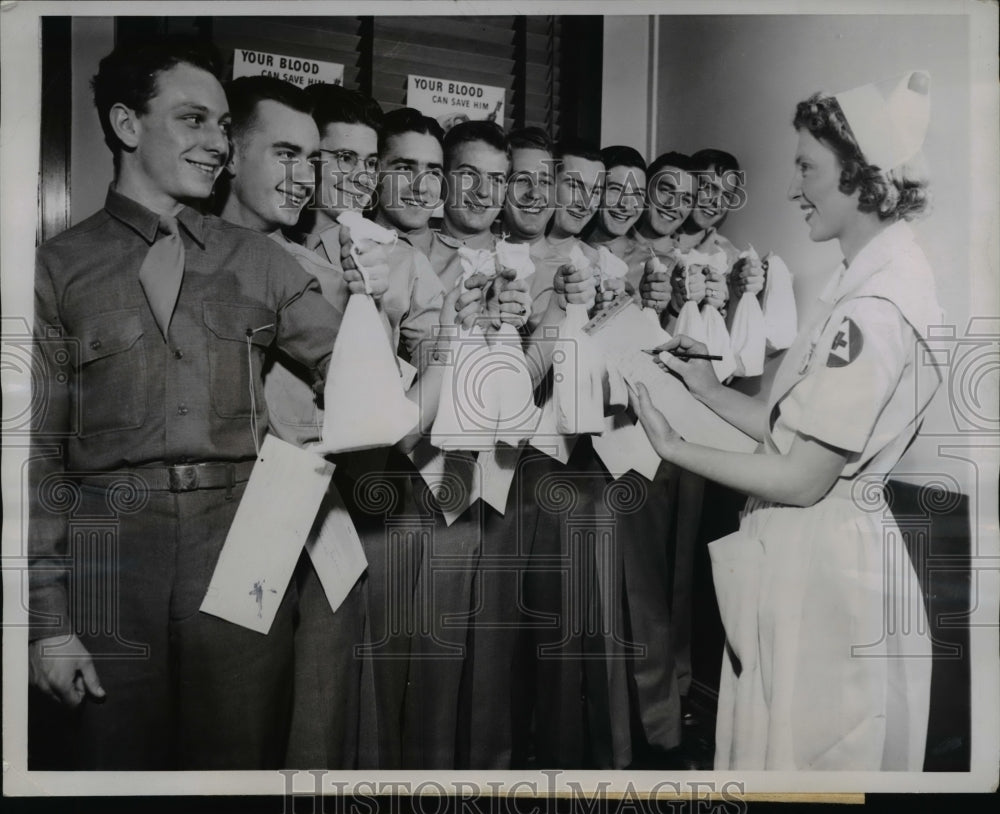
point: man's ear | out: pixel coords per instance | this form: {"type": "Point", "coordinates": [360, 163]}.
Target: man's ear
{"type": "Point", "coordinates": [125, 124]}
{"type": "Point", "coordinates": [232, 161]}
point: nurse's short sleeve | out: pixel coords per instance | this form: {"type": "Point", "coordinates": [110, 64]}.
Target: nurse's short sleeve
{"type": "Point", "coordinates": [856, 369]}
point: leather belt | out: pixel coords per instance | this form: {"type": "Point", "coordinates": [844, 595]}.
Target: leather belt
{"type": "Point", "coordinates": [185, 477]}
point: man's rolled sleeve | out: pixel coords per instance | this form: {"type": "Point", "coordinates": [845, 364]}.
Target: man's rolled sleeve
{"type": "Point", "coordinates": [417, 329]}
{"type": "Point", "coordinates": [307, 323]}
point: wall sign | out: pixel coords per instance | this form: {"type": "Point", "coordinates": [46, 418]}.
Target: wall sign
{"type": "Point", "coordinates": [451, 102]}
{"type": "Point", "coordinates": [296, 70]}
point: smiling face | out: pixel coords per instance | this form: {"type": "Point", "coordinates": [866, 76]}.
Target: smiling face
{"type": "Point", "coordinates": [273, 176]}
{"type": "Point", "coordinates": [816, 188]}
{"type": "Point", "coordinates": [176, 149]}
{"type": "Point", "coordinates": [624, 197]}
{"type": "Point", "coordinates": [527, 208]}
{"type": "Point", "coordinates": [349, 154]}
{"type": "Point", "coordinates": [711, 199]}
{"type": "Point", "coordinates": [410, 180]}
{"type": "Point", "coordinates": [579, 186]}
{"type": "Point", "coordinates": [671, 199]}
{"type": "Point", "coordinates": [477, 181]}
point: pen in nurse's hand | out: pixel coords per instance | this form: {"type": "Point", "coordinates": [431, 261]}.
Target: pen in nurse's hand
{"type": "Point", "coordinates": [682, 355]}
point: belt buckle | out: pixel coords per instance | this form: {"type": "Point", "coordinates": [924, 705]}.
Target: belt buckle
{"type": "Point", "coordinates": [182, 477]}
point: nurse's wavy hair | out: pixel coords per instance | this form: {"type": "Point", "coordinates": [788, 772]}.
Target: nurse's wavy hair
{"type": "Point", "coordinates": [899, 194]}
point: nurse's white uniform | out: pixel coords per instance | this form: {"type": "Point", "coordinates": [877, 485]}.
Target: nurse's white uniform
{"type": "Point", "coordinates": [827, 663]}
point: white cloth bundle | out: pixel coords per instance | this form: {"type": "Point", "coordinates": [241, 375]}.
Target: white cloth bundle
{"type": "Point", "coordinates": [609, 267]}
{"type": "Point", "coordinates": [655, 265]}
{"type": "Point", "coordinates": [717, 338]}
{"type": "Point", "coordinates": [467, 406]}
{"type": "Point", "coordinates": [517, 415]}
{"type": "Point", "coordinates": [781, 322]}
{"type": "Point", "coordinates": [689, 320]}
{"type": "Point", "coordinates": [578, 369]}
{"type": "Point", "coordinates": [747, 333]}
{"type": "Point", "coordinates": [364, 401]}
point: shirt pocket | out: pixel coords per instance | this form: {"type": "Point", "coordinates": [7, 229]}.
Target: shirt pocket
{"type": "Point", "coordinates": [111, 387]}
{"type": "Point", "coordinates": [234, 362]}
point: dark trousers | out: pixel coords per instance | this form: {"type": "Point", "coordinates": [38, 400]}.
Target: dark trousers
{"type": "Point", "coordinates": [185, 690]}
{"type": "Point", "coordinates": [393, 532]}
{"type": "Point", "coordinates": [605, 672]}
{"type": "Point", "coordinates": [439, 645]}
{"type": "Point", "coordinates": [573, 592]}
{"type": "Point", "coordinates": [327, 691]}
{"type": "Point", "coordinates": [492, 727]}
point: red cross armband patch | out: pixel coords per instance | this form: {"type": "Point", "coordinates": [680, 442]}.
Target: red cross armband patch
{"type": "Point", "coordinates": [847, 344]}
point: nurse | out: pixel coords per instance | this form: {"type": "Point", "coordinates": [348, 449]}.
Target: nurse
{"type": "Point", "coordinates": [815, 676]}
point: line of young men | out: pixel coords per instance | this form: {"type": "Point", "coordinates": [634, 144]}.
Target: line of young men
{"type": "Point", "coordinates": [460, 677]}
{"type": "Point", "coordinates": [438, 657]}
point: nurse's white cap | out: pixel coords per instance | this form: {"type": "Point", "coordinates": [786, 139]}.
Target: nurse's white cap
{"type": "Point", "coordinates": [889, 119]}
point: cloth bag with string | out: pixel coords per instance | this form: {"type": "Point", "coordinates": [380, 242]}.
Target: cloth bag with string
{"type": "Point", "coordinates": [578, 370]}
{"type": "Point", "coordinates": [510, 379]}
{"type": "Point", "coordinates": [468, 405]}
{"type": "Point", "coordinates": [689, 320]}
{"type": "Point", "coordinates": [656, 266]}
{"type": "Point", "coordinates": [747, 334]}
{"type": "Point", "coordinates": [717, 338]}
{"type": "Point", "coordinates": [610, 268]}
{"type": "Point", "coordinates": [781, 323]}
{"type": "Point", "coordinates": [365, 405]}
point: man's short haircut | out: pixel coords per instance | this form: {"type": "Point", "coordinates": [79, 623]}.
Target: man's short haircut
{"type": "Point", "coordinates": [246, 92]}
{"type": "Point", "coordinates": [465, 132]}
{"type": "Point", "coordinates": [722, 162]}
{"type": "Point", "coordinates": [408, 120]}
{"type": "Point", "coordinates": [128, 76]}
{"type": "Point", "coordinates": [335, 104]}
{"type": "Point", "coordinates": [578, 147]}
{"type": "Point", "coordinates": [621, 156]}
{"type": "Point", "coordinates": [530, 138]}
{"type": "Point", "coordinates": [677, 160]}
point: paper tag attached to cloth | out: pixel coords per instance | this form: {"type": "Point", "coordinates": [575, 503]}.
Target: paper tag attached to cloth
{"type": "Point", "coordinates": [547, 437]}
{"type": "Point", "coordinates": [272, 523]}
{"type": "Point", "coordinates": [497, 467]}
{"type": "Point", "coordinates": [624, 446]}
{"type": "Point", "coordinates": [451, 477]}
{"type": "Point", "coordinates": [335, 549]}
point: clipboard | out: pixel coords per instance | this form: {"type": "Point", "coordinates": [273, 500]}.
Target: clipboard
{"type": "Point", "coordinates": [622, 333]}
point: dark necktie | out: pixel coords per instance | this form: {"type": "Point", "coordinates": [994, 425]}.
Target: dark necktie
{"type": "Point", "coordinates": [161, 272]}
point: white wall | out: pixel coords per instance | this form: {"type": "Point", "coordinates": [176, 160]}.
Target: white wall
{"type": "Point", "coordinates": [733, 83]}
{"type": "Point", "coordinates": [628, 82]}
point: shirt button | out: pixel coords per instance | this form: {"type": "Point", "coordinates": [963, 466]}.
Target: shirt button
{"type": "Point", "coordinates": [182, 409]}
{"type": "Point", "coordinates": [178, 353]}
{"type": "Point", "coordinates": [95, 344]}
